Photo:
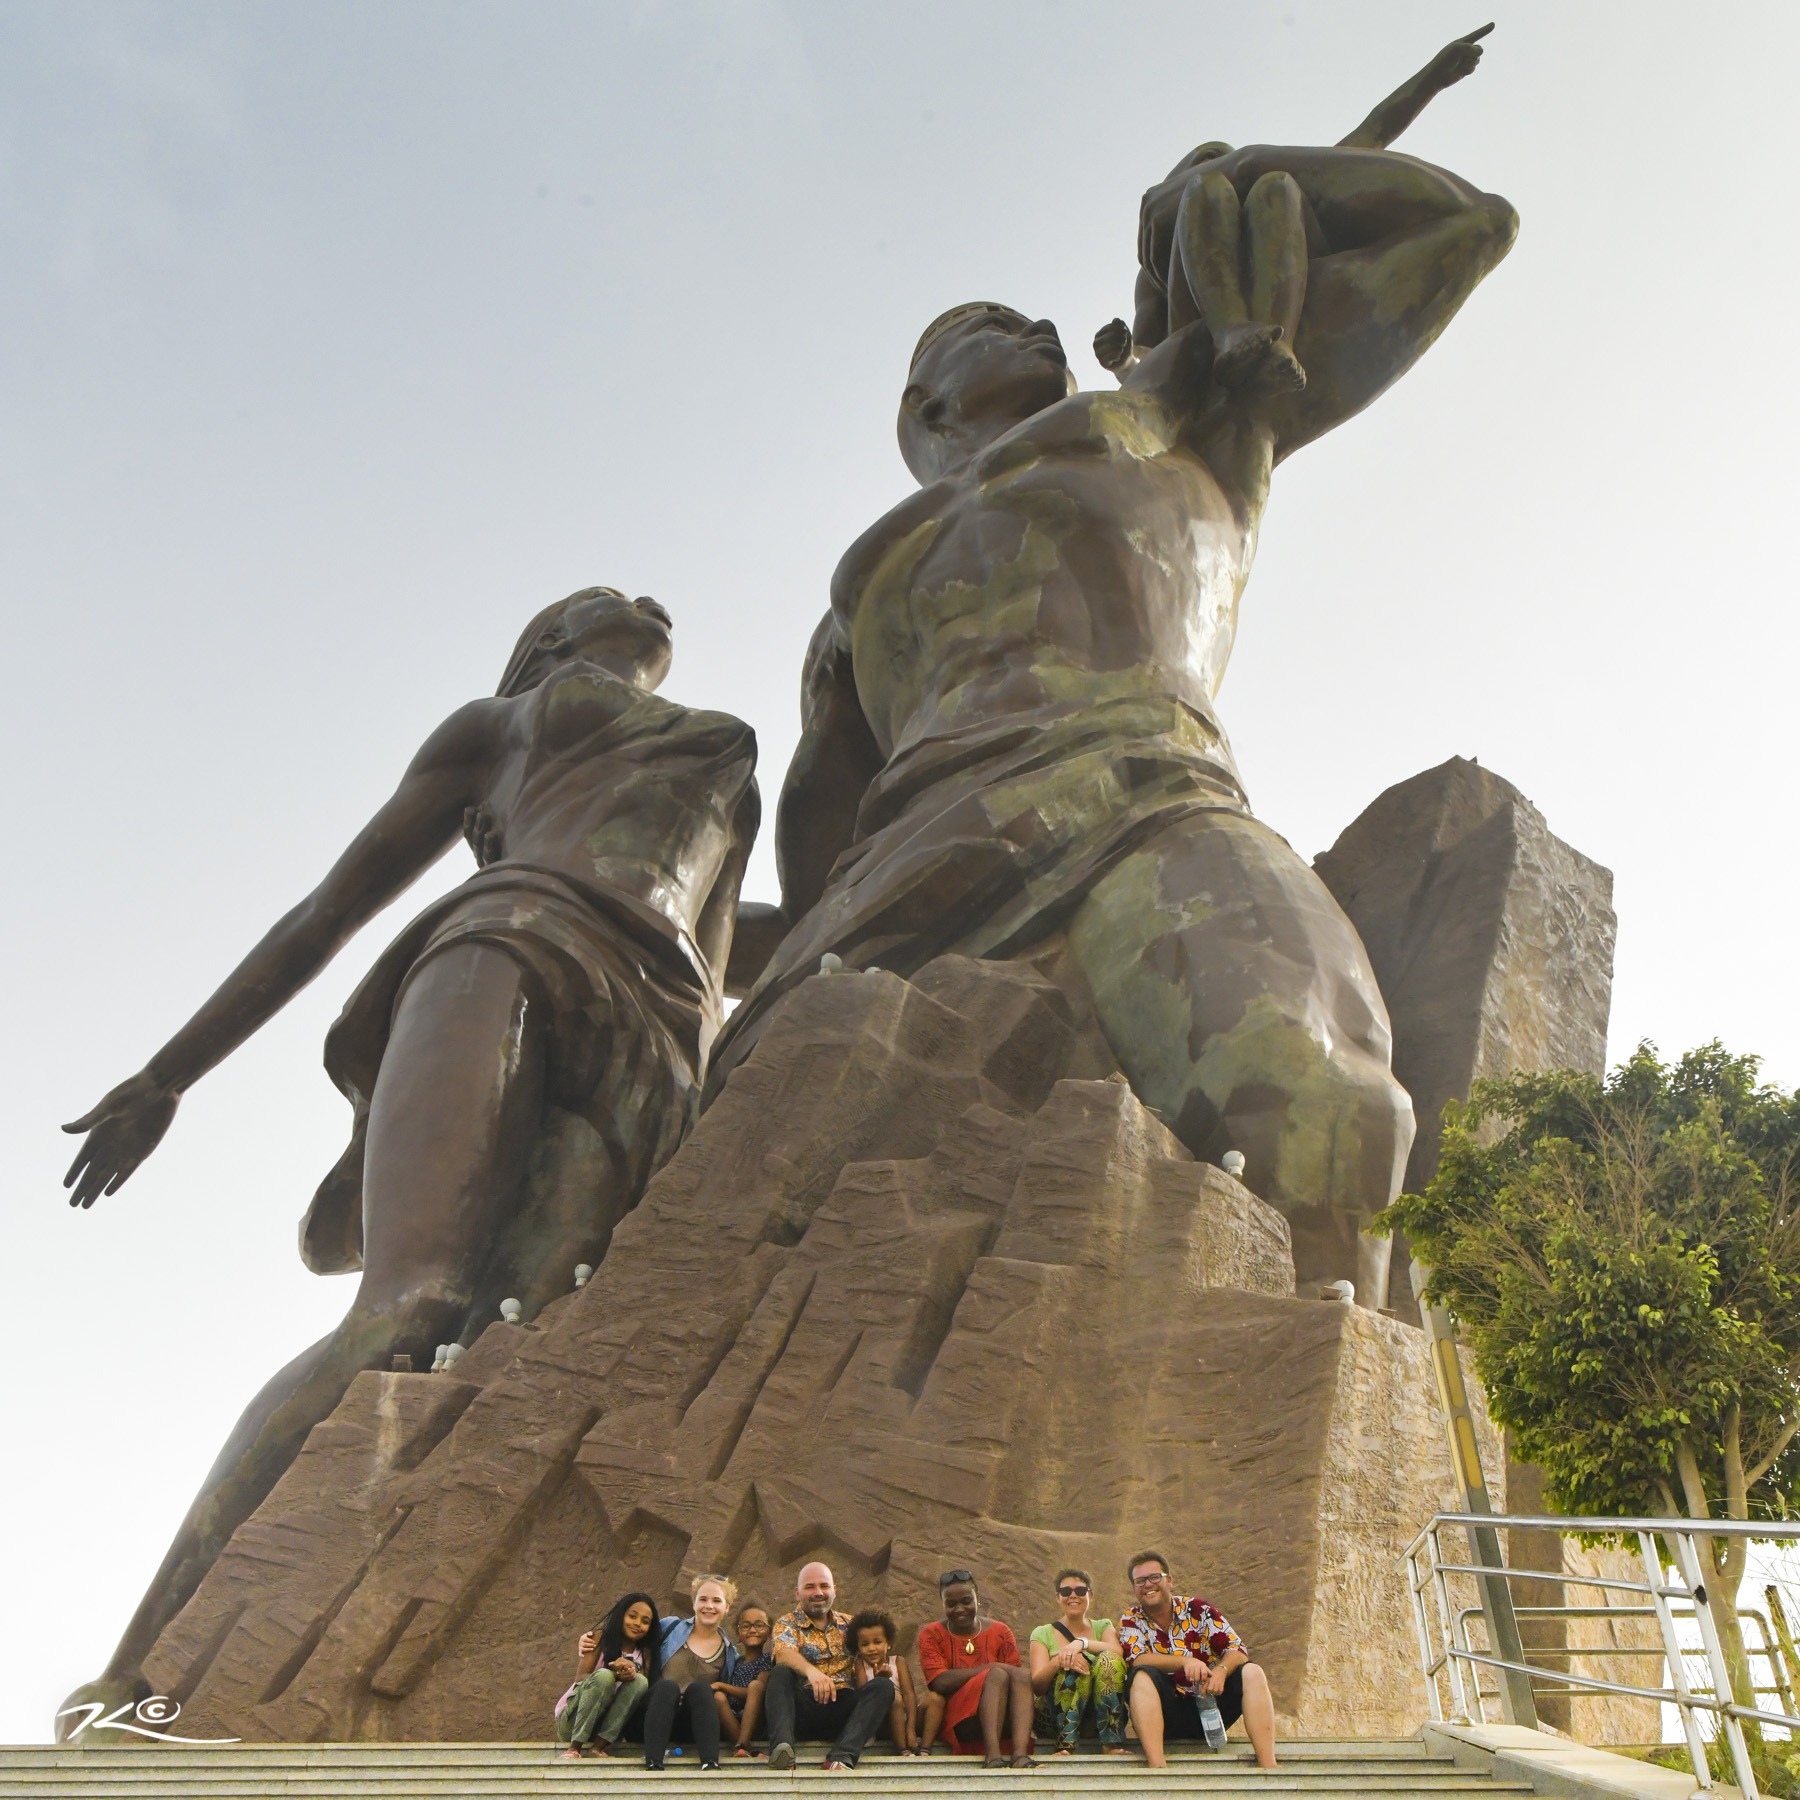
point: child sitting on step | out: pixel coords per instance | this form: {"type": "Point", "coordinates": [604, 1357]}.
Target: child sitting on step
{"type": "Point", "coordinates": [615, 1664]}
{"type": "Point", "coordinates": [744, 1696]}
{"type": "Point", "coordinates": [870, 1638]}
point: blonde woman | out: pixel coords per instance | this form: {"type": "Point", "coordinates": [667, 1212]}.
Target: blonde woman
{"type": "Point", "coordinates": [699, 1660]}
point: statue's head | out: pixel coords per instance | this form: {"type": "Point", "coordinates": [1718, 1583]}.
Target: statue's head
{"type": "Point", "coordinates": [979, 370]}
{"type": "Point", "coordinates": [629, 638]}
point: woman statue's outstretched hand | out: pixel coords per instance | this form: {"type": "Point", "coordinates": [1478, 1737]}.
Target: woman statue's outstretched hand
{"type": "Point", "coordinates": [122, 1130]}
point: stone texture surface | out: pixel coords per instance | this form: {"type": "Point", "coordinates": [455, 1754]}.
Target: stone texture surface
{"type": "Point", "coordinates": [1493, 940]}
{"type": "Point", "coordinates": [927, 1287]}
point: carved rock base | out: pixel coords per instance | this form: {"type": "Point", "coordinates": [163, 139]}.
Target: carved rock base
{"type": "Point", "coordinates": [926, 1288]}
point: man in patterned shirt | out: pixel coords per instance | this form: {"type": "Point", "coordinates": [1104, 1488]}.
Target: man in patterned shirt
{"type": "Point", "coordinates": [1179, 1649]}
{"type": "Point", "coordinates": [809, 1687]}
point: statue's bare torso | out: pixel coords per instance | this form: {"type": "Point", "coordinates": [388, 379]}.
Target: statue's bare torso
{"type": "Point", "coordinates": [1093, 550]}
{"type": "Point", "coordinates": [625, 793]}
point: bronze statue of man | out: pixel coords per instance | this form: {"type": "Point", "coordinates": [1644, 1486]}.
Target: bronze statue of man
{"type": "Point", "coordinates": [1009, 742]}
{"type": "Point", "coordinates": [577, 976]}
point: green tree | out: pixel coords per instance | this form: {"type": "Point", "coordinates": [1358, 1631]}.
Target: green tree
{"type": "Point", "coordinates": [1623, 1258]}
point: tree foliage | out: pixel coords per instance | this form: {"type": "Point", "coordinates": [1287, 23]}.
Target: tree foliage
{"type": "Point", "coordinates": [1623, 1258]}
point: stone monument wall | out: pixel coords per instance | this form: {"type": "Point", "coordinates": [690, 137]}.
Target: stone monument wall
{"type": "Point", "coordinates": [926, 1288]}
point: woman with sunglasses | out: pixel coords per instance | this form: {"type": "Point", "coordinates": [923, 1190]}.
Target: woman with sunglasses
{"type": "Point", "coordinates": [1076, 1663]}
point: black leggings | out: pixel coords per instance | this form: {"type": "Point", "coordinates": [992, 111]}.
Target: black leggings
{"type": "Point", "coordinates": [691, 1710]}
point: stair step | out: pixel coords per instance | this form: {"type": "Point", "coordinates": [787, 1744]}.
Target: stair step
{"type": "Point", "coordinates": [1399, 1769]}
{"type": "Point", "coordinates": [639, 1781]}
{"type": "Point", "coordinates": [1310, 1752]}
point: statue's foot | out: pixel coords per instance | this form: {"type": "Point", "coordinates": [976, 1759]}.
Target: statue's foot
{"type": "Point", "coordinates": [78, 1719]}
{"type": "Point", "coordinates": [1280, 371]}
{"type": "Point", "coordinates": [1247, 354]}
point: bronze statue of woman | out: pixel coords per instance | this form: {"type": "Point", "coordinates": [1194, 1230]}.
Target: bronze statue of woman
{"type": "Point", "coordinates": [524, 1055]}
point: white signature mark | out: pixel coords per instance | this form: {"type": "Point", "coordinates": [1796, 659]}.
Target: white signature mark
{"type": "Point", "coordinates": [158, 1709]}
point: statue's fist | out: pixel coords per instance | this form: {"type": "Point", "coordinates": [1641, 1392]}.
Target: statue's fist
{"type": "Point", "coordinates": [1112, 345]}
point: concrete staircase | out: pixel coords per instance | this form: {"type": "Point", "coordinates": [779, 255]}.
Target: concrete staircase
{"type": "Point", "coordinates": [1403, 1769]}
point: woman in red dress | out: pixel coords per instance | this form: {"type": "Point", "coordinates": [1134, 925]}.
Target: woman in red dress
{"type": "Point", "coordinates": [974, 1664]}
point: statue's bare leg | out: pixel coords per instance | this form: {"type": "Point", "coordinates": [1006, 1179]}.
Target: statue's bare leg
{"type": "Point", "coordinates": [456, 1103]}
{"type": "Point", "coordinates": [1241, 1005]}
{"type": "Point", "coordinates": [1276, 253]}
{"type": "Point", "coordinates": [1223, 247]}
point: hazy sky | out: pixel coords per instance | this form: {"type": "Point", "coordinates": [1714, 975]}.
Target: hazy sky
{"type": "Point", "coordinates": [336, 339]}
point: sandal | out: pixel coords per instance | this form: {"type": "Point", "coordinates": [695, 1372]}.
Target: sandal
{"type": "Point", "coordinates": [1023, 1762]}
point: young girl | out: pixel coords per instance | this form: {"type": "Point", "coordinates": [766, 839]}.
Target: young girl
{"type": "Point", "coordinates": [742, 1697]}
{"type": "Point", "coordinates": [870, 1637]}
{"type": "Point", "coordinates": [627, 1648]}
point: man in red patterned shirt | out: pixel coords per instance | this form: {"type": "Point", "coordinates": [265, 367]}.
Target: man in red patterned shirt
{"type": "Point", "coordinates": [1180, 1650]}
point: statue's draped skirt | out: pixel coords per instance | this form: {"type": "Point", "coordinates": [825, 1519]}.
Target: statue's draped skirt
{"type": "Point", "coordinates": [626, 1016]}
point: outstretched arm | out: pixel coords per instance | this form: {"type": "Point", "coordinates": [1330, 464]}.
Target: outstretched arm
{"type": "Point", "coordinates": [815, 822]}
{"type": "Point", "coordinates": [415, 827]}
{"type": "Point", "coordinates": [1411, 98]}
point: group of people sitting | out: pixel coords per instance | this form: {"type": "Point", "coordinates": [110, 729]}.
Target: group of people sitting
{"type": "Point", "coordinates": [1171, 1662]}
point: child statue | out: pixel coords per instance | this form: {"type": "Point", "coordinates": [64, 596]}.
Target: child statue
{"type": "Point", "coordinates": [1239, 264]}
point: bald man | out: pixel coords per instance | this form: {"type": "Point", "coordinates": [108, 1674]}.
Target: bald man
{"type": "Point", "coordinates": [809, 1688]}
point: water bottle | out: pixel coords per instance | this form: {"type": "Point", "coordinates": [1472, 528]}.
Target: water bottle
{"type": "Point", "coordinates": [1212, 1721]}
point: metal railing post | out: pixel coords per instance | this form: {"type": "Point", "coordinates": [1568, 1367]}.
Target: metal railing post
{"type": "Point", "coordinates": [1447, 1625]}
{"type": "Point", "coordinates": [1655, 1579]}
{"type": "Point", "coordinates": [1516, 1701]}
{"type": "Point", "coordinates": [1422, 1625]}
{"type": "Point", "coordinates": [1779, 1685]}
{"type": "Point", "coordinates": [1688, 1559]}
{"type": "Point", "coordinates": [1783, 1634]}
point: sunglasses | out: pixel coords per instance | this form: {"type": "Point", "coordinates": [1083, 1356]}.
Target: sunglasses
{"type": "Point", "coordinates": [951, 1576]}
{"type": "Point", "coordinates": [1070, 1593]}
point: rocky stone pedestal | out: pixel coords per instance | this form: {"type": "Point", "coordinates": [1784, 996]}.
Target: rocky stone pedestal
{"type": "Point", "coordinates": [926, 1288]}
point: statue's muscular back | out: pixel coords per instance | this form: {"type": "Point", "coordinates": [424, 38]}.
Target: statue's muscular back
{"type": "Point", "coordinates": [1096, 549]}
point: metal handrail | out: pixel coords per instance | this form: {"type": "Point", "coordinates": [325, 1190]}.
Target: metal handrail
{"type": "Point", "coordinates": [1772, 1530]}
{"type": "Point", "coordinates": [1445, 1650]}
